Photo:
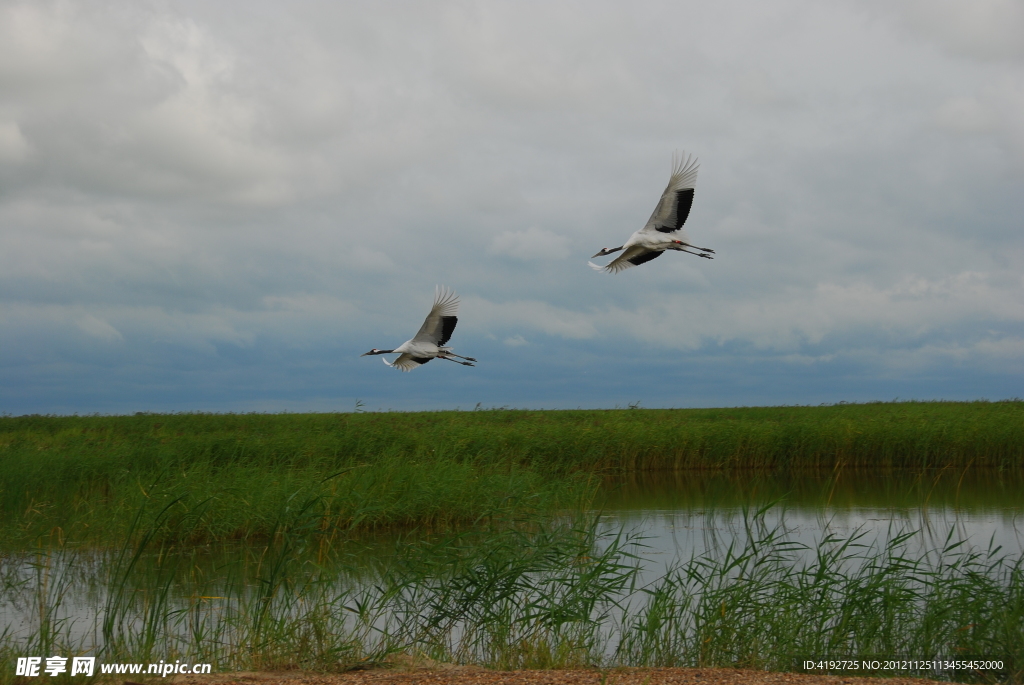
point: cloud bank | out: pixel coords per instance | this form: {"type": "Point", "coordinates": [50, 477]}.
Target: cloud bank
{"type": "Point", "coordinates": [218, 207]}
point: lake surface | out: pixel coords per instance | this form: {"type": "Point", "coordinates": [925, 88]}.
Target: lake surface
{"type": "Point", "coordinates": [686, 514]}
{"type": "Point", "coordinates": [675, 516]}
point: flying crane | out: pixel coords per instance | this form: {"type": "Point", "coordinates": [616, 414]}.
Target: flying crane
{"type": "Point", "coordinates": [429, 342]}
{"type": "Point", "coordinates": [664, 230]}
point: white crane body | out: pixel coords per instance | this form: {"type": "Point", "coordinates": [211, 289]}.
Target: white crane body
{"type": "Point", "coordinates": [429, 341]}
{"type": "Point", "coordinates": [664, 230]}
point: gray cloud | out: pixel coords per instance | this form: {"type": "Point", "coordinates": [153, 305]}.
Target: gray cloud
{"type": "Point", "coordinates": [264, 190]}
{"type": "Point", "coordinates": [987, 29]}
{"type": "Point", "coordinates": [533, 243]}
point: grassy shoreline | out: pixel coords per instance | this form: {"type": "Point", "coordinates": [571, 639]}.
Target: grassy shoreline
{"type": "Point", "coordinates": [234, 476]}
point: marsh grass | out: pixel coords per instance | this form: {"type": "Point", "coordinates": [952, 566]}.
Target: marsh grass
{"type": "Point", "coordinates": [85, 477]}
{"type": "Point", "coordinates": [773, 602]}
{"type": "Point", "coordinates": [112, 527]}
{"type": "Point", "coordinates": [199, 504]}
{"type": "Point", "coordinates": [531, 594]}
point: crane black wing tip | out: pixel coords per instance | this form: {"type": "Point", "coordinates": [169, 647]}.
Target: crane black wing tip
{"type": "Point", "coordinates": [447, 328]}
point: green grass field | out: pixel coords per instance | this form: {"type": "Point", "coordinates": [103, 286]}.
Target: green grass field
{"type": "Point", "coordinates": [238, 476]}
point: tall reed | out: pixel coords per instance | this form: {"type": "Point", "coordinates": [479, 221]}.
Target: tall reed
{"type": "Point", "coordinates": [773, 603]}
{"type": "Point", "coordinates": [533, 594]}
{"type": "Point", "coordinates": [378, 470]}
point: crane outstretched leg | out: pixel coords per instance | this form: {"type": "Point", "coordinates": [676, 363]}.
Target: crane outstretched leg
{"type": "Point", "coordinates": [449, 351]}
{"type": "Point", "coordinates": [457, 361]}
{"type": "Point", "coordinates": [699, 254]}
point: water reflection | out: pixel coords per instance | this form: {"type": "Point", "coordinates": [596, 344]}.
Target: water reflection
{"type": "Point", "coordinates": [975, 491]}
{"type": "Point", "coordinates": [678, 515]}
{"type": "Point", "coordinates": [686, 514]}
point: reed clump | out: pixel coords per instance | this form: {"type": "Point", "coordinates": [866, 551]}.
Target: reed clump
{"type": "Point", "coordinates": [772, 603]}
{"type": "Point", "coordinates": [530, 594]}
{"type": "Point", "coordinates": [374, 470]}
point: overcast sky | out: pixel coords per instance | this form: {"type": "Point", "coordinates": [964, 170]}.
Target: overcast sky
{"type": "Point", "coordinates": [219, 206]}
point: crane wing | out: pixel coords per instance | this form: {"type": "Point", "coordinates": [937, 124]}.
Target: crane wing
{"type": "Point", "coordinates": [440, 322]}
{"type": "Point", "coordinates": [674, 206]}
{"type": "Point", "coordinates": [407, 362]}
{"type": "Point", "coordinates": [633, 256]}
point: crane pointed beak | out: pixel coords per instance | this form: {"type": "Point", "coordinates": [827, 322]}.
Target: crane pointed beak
{"type": "Point", "coordinates": [601, 253]}
{"type": "Point", "coordinates": [366, 353]}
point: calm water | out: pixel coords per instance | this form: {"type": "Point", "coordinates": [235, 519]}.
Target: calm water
{"type": "Point", "coordinates": [677, 515]}
{"type": "Point", "coordinates": [685, 514]}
